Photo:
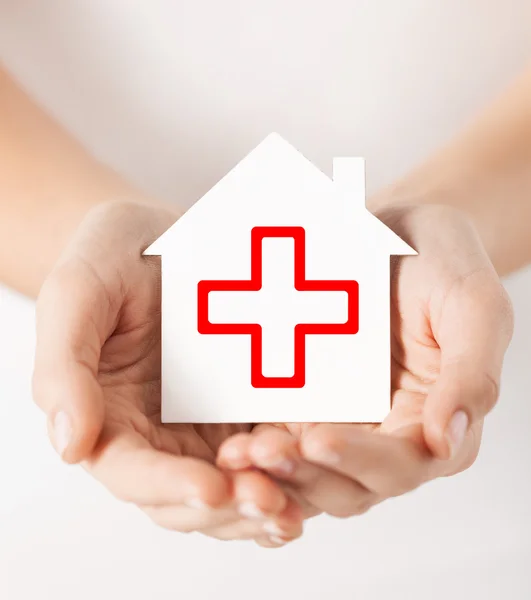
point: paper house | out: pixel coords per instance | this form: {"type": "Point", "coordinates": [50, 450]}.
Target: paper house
{"type": "Point", "coordinates": [276, 297]}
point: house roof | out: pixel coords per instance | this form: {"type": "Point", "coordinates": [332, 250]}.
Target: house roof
{"type": "Point", "coordinates": [284, 183]}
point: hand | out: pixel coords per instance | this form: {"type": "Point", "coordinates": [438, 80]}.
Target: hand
{"type": "Point", "coordinates": [451, 325]}
{"type": "Point", "coordinates": [97, 377]}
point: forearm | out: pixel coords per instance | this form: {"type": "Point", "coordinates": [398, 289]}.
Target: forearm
{"type": "Point", "coordinates": [486, 172]}
{"type": "Point", "coordinates": [48, 182]}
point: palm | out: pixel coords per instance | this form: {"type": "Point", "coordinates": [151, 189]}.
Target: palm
{"type": "Point", "coordinates": [415, 355]}
{"type": "Point", "coordinates": [451, 323]}
{"type": "Point", "coordinates": [426, 299]}
{"type": "Point", "coordinates": [130, 377]}
{"type": "Point", "coordinates": [126, 331]}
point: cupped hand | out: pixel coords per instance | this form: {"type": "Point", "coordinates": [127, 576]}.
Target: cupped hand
{"type": "Point", "coordinates": [451, 325]}
{"type": "Point", "coordinates": [97, 377]}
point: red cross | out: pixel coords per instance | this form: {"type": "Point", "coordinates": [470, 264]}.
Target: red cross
{"type": "Point", "coordinates": [258, 380]}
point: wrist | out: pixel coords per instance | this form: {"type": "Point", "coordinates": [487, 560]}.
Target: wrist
{"type": "Point", "coordinates": [139, 218]}
{"type": "Point", "coordinates": [468, 197]}
{"type": "Point", "coordinates": [121, 228]}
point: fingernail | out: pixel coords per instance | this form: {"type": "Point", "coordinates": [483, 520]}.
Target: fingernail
{"type": "Point", "coordinates": [456, 431]}
{"type": "Point", "coordinates": [62, 432]}
{"type": "Point", "coordinates": [250, 510]}
{"type": "Point", "coordinates": [195, 503]}
{"type": "Point", "coordinates": [233, 458]}
{"type": "Point", "coordinates": [275, 462]}
{"type": "Point", "coordinates": [273, 529]}
{"type": "Point", "coordinates": [284, 466]}
{"type": "Point", "coordinates": [277, 540]}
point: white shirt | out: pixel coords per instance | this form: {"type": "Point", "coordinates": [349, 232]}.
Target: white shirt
{"type": "Point", "coordinates": [173, 94]}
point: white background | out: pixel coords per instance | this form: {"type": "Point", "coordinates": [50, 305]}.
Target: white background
{"type": "Point", "coordinates": [172, 94]}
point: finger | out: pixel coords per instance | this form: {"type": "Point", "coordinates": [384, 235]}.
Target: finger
{"type": "Point", "coordinates": [267, 541]}
{"type": "Point", "coordinates": [186, 519]}
{"type": "Point", "coordinates": [276, 451]}
{"type": "Point", "coordinates": [257, 507]}
{"type": "Point", "coordinates": [233, 452]}
{"type": "Point", "coordinates": [398, 425]}
{"type": "Point", "coordinates": [257, 496]}
{"type": "Point", "coordinates": [234, 455]}
{"type": "Point", "coordinates": [473, 333]}
{"type": "Point", "coordinates": [384, 464]}
{"type": "Point", "coordinates": [286, 526]}
{"type": "Point", "coordinates": [135, 472]}
{"type": "Point", "coordinates": [285, 529]}
{"type": "Point", "coordinates": [72, 316]}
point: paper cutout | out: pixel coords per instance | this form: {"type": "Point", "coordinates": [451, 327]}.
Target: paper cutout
{"type": "Point", "coordinates": [276, 297]}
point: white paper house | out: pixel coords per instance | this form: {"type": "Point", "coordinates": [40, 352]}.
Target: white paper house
{"type": "Point", "coordinates": [276, 296]}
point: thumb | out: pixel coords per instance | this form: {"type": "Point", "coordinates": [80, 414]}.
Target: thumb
{"type": "Point", "coordinates": [474, 331]}
{"type": "Point", "coordinates": [72, 314]}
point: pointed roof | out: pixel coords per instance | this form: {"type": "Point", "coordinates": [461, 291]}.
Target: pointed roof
{"type": "Point", "coordinates": [284, 162]}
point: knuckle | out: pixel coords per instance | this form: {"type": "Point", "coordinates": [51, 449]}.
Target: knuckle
{"type": "Point", "coordinates": [354, 510]}
{"type": "Point", "coordinates": [488, 393]}
{"type": "Point", "coordinates": [341, 514]}
{"type": "Point", "coordinates": [168, 518]}
{"type": "Point", "coordinates": [179, 527]}
{"type": "Point", "coordinates": [170, 526]}
{"type": "Point", "coordinates": [220, 537]}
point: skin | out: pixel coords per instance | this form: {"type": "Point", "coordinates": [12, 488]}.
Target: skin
{"type": "Point", "coordinates": [451, 324]}
{"type": "Point", "coordinates": [447, 301]}
{"type": "Point", "coordinates": [98, 355]}
{"type": "Point", "coordinates": [72, 232]}
{"type": "Point", "coordinates": [77, 231]}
